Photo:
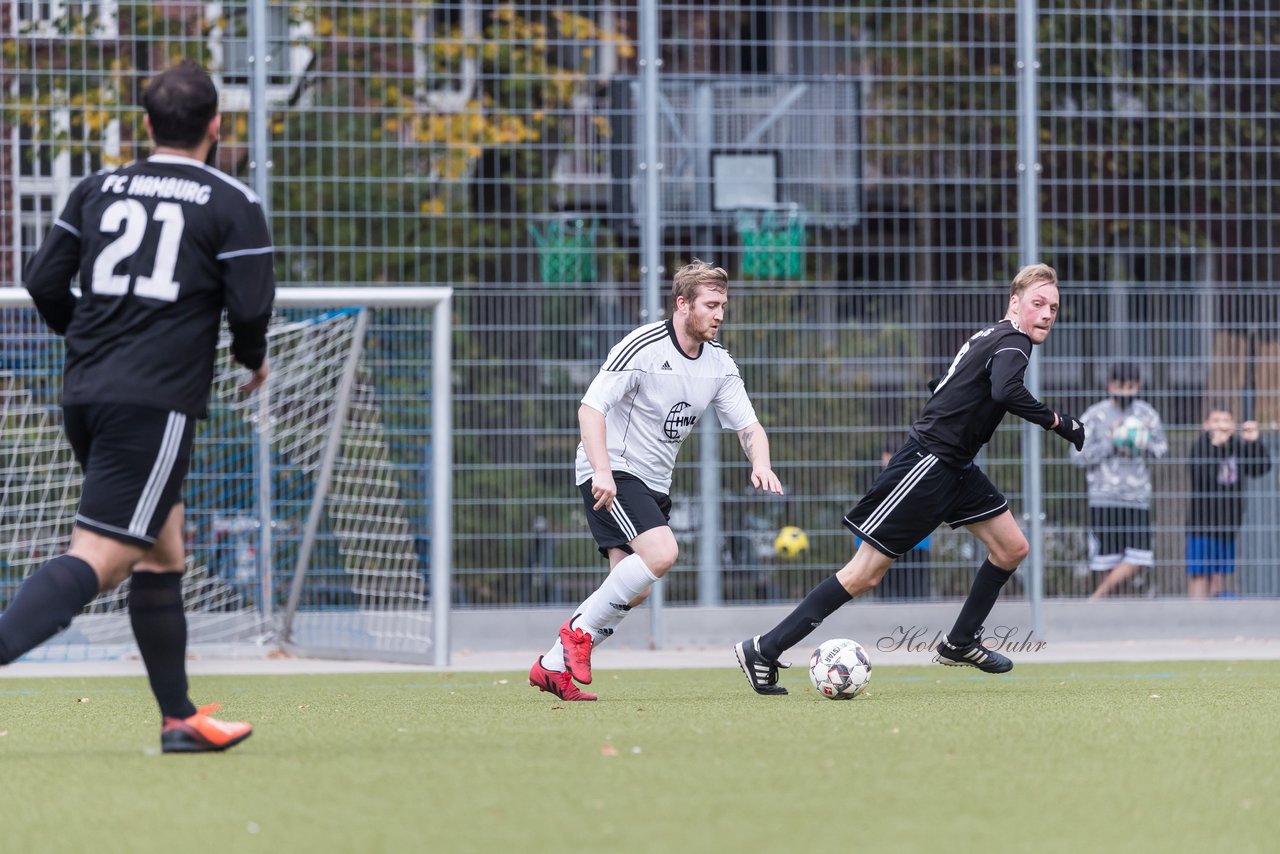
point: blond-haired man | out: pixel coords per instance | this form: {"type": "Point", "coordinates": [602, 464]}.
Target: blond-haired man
{"type": "Point", "coordinates": [653, 389]}
{"type": "Point", "coordinates": [933, 479]}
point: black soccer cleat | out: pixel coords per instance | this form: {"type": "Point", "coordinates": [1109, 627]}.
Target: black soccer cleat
{"type": "Point", "coordinates": [972, 654]}
{"type": "Point", "coordinates": [762, 675]}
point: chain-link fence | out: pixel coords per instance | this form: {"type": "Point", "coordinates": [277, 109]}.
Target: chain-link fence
{"type": "Point", "coordinates": [872, 176]}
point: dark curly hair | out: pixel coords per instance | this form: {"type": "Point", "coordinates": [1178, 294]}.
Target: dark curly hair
{"type": "Point", "coordinates": [180, 101]}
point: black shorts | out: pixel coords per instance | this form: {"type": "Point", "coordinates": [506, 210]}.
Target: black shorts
{"type": "Point", "coordinates": [917, 492]}
{"type": "Point", "coordinates": [1119, 535]}
{"type": "Point", "coordinates": [134, 460]}
{"type": "Point", "coordinates": [636, 509]}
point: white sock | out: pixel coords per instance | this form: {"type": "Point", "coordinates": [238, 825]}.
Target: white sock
{"type": "Point", "coordinates": [605, 608]}
{"type": "Point", "coordinates": [603, 633]}
{"type": "Point", "coordinates": [554, 658]}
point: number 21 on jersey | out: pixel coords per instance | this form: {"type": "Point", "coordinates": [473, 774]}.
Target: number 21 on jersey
{"type": "Point", "coordinates": [129, 217]}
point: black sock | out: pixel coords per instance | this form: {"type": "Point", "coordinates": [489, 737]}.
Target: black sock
{"type": "Point", "coordinates": [160, 628]}
{"type": "Point", "coordinates": [807, 616]}
{"type": "Point", "coordinates": [987, 584]}
{"type": "Point", "coordinates": [45, 605]}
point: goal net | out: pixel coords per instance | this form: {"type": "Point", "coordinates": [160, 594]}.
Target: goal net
{"type": "Point", "coordinates": [316, 511]}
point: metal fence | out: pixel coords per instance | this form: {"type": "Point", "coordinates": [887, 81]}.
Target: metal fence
{"type": "Point", "coordinates": [871, 176]}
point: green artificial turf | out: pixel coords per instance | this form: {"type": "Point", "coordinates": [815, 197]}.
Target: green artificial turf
{"type": "Point", "coordinates": [1153, 757]}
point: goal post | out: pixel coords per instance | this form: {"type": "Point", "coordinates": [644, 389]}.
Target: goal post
{"type": "Point", "coordinates": [319, 509]}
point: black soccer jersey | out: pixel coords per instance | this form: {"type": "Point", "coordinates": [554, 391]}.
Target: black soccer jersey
{"type": "Point", "coordinates": [982, 384]}
{"type": "Point", "coordinates": [162, 246]}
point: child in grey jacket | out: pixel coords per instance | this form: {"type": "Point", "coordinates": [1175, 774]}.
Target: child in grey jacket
{"type": "Point", "coordinates": [1122, 433]}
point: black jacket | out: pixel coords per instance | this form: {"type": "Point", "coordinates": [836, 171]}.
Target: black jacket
{"type": "Point", "coordinates": [1217, 483]}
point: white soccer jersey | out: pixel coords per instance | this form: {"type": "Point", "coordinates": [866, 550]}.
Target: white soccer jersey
{"type": "Point", "coordinates": [652, 395]}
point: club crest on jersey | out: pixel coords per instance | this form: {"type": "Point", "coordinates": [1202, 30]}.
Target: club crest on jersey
{"type": "Point", "coordinates": [678, 424]}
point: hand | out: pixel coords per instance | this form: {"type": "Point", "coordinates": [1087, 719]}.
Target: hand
{"type": "Point", "coordinates": [1070, 428]}
{"type": "Point", "coordinates": [1218, 438]}
{"type": "Point", "coordinates": [1249, 431]}
{"type": "Point", "coordinates": [765, 479]}
{"type": "Point", "coordinates": [1130, 437]}
{"type": "Point", "coordinates": [257, 378]}
{"type": "Point", "coordinates": [603, 489]}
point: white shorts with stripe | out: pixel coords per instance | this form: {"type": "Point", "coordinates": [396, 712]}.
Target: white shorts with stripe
{"type": "Point", "coordinates": [635, 509]}
{"type": "Point", "coordinates": [915, 494]}
{"type": "Point", "coordinates": [134, 460]}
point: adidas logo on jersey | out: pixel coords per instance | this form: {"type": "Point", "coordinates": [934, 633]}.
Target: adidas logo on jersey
{"type": "Point", "coordinates": [666, 366]}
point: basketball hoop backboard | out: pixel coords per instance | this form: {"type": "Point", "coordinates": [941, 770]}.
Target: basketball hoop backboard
{"type": "Point", "coordinates": [744, 179]}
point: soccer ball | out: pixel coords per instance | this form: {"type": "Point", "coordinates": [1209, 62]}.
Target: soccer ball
{"type": "Point", "coordinates": [790, 542]}
{"type": "Point", "coordinates": [1131, 435]}
{"type": "Point", "coordinates": [839, 669]}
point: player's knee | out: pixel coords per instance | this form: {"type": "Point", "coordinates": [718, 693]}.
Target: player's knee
{"type": "Point", "coordinates": [1024, 549]}
{"type": "Point", "coordinates": [662, 559]}
{"type": "Point", "coordinates": [1011, 554]}
{"type": "Point", "coordinates": [857, 580]}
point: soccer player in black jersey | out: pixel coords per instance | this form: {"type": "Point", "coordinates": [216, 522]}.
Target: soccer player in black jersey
{"type": "Point", "coordinates": [933, 479]}
{"type": "Point", "coordinates": [162, 247]}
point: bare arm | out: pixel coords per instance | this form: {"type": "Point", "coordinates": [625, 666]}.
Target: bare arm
{"type": "Point", "coordinates": [755, 444]}
{"type": "Point", "coordinates": [592, 424]}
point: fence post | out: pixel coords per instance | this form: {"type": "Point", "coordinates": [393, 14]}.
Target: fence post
{"type": "Point", "coordinates": [259, 164]}
{"type": "Point", "coordinates": [651, 226]}
{"type": "Point", "coordinates": [442, 478]}
{"type": "Point", "coordinates": [1029, 243]}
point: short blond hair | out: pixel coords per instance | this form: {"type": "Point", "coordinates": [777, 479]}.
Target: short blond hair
{"type": "Point", "coordinates": [698, 274]}
{"type": "Point", "coordinates": [1033, 274]}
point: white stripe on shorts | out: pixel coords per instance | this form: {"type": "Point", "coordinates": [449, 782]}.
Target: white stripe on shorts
{"type": "Point", "coordinates": [620, 516]}
{"type": "Point", "coordinates": [159, 476]}
{"type": "Point", "coordinates": [93, 523]}
{"type": "Point", "coordinates": [988, 513]}
{"type": "Point", "coordinates": [899, 492]}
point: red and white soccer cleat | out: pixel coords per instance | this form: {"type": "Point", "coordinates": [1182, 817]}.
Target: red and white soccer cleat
{"type": "Point", "coordinates": [577, 652]}
{"type": "Point", "coordinates": [558, 683]}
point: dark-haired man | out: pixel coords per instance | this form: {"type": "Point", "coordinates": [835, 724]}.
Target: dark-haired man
{"type": "Point", "coordinates": [162, 247]}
